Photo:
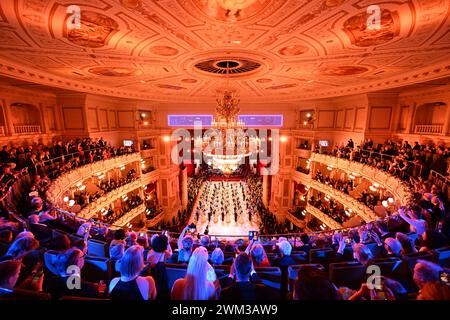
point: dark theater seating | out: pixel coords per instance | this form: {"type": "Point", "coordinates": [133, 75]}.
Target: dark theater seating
{"type": "Point", "coordinates": [347, 274]}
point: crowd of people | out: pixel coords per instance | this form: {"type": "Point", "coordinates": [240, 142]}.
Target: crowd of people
{"type": "Point", "coordinates": [110, 216]}
{"type": "Point", "coordinates": [217, 269]}
{"type": "Point", "coordinates": [341, 185]}
{"type": "Point", "coordinates": [330, 207]}
{"type": "Point", "coordinates": [397, 158]}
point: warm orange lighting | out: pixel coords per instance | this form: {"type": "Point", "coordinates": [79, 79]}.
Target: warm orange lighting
{"type": "Point", "coordinates": [283, 138]}
{"type": "Point", "coordinates": [145, 123]}
{"type": "Point", "coordinates": [166, 138]}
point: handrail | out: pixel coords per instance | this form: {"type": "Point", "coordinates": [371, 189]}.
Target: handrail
{"type": "Point", "coordinates": [369, 154]}
{"type": "Point", "coordinates": [398, 188]}
{"type": "Point", "coordinates": [322, 216]}
{"type": "Point", "coordinates": [55, 190]}
{"type": "Point", "coordinates": [359, 208]}
{"type": "Point", "coordinates": [445, 179]}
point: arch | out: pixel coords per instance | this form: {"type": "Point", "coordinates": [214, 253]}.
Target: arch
{"type": "Point", "coordinates": [430, 118]}
{"type": "Point", "coordinates": [25, 118]}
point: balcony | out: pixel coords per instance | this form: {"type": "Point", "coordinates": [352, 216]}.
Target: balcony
{"type": "Point", "coordinates": [359, 208]}
{"type": "Point", "coordinates": [399, 189]}
{"type": "Point", "coordinates": [27, 129]}
{"type": "Point", "coordinates": [63, 183]}
{"type": "Point", "coordinates": [433, 129]}
{"type": "Point", "coordinates": [299, 223]}
{"type": "Point", "coordinates": [95, 206]}
{"type": "Point", "coordinates": [329, 222]}
{"type": "Point", "coordinates": [130, 215]}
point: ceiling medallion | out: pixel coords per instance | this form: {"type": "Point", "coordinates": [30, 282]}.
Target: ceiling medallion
{"type": "Point", "coordinates": [236, 66]}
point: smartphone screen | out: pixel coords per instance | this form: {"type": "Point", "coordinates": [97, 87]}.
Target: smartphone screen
{"type": "Point", "coordinates": [250, 235]}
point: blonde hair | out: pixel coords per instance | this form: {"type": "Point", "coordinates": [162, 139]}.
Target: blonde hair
{"type": "Point", "coordinates": [132, 261]}
{"type": "Point", "coordinates": [196, 276]}
{"type": "Point", "coordinates": [217, 256]}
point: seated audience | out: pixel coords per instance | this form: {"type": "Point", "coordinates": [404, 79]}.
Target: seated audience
{"type": "Point", "coordinates": [196, 285]}
{"type": "Point", "coordinates": [130, 285]}
{"type": "Point", "coordinates": [243, 289]}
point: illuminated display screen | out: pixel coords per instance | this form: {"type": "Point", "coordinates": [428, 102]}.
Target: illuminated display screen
{"type": "Point", "coordinates": [262, 120]}
{"type": "Point", "coordinates": [187, 120]}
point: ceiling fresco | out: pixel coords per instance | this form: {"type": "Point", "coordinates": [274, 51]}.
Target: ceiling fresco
{"type": "Point", "coordinates": [176, 50]}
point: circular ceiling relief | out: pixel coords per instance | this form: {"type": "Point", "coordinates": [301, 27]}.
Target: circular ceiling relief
{"type": "Point", "coordinates": [342, 70]}
{"type": "Point", "coordinates": [293, 50]}
{"type": "Point", "coordinates": [235, 66]}
{"type": "Point", "coordinates": [163, 51]}
{"type": "Point", "coordinates": [94, 31]}
{"type": "Point", "coordinates": [362, 36]}
{"type": "Point", "coordinates": [115, 71]}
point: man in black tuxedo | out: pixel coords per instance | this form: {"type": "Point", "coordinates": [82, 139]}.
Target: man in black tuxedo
{"type": "Point", "coordinates": [243, 289]}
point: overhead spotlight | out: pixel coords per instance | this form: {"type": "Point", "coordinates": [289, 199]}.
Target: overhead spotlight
{"type": "Point", "coordinates": [373, 188]}
{"type": "Point", "coordinates": [145, 123]}
{"type": "Point", "coordinates": [305, 122]}
{"type": "Point", "coordinates": [143, 115]}
{"type": "Point", "coordinates": [283, 138]}
{"type": "Point", "coordinates": [71, 203]}
{"type": "Point", "coordinates": [376, 185]}
{"type": "Point", "coordinates": [391, 200]}
{"type": "Point", "coordinates": [351, 176]}
{"type": "Point", "coordinates": [310, 81]}
{"type": "Point", "coordinates": [79, 184]}
{"type": "Point", "coordinates": [385, 203]}
{"type": "Point", "coordinates": [308, 115]}
{"type": "Point", "coordinates": [166, 138]}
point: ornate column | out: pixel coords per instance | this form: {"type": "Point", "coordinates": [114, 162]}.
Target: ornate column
{"type": "Point", "coordinates": [184, 188]}
{"type": "Point", "coordinates": [9, 127]}
{"type": "Point", "coordinates": [446, 126]}
{"type": "Point", "coordinates": [44, 125]}
{"type": "Point", "coordinates": [265, 190]}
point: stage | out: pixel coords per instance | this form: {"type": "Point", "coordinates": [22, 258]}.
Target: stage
{"type": "Point", "coordinates": [219, 201]}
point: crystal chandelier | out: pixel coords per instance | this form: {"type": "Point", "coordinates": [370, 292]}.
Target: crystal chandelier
{"type": "Point", "coordinates": [229, 143]}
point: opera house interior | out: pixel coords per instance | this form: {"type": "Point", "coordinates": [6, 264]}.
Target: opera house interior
{"type": "Point", "coordinates": [229, 150]}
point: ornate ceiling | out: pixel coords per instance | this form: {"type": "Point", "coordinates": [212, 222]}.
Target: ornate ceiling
{"type": "Point", "coordinates": [174, 50]}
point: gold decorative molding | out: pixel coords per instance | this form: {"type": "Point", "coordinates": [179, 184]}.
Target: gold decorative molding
{"type": "Point", "coordinates": [95, 206]}
{"type": "Point", "coordinates": [399, 190]}
{"type": "Point", "coordinates": [359, 208]}
{"type": "Point", "coordinates": [59, 186]}
{"type": "Point", "coordinates": [329, 222]}
{"type": "Point", "coordinates": [299, 223]}
{"type": "Point", "coordinates": [130, 215]}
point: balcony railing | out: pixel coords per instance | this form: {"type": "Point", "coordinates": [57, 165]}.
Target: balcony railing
{"type": "Point", "coordinates": [299, 223]}
{"type": "Point", "coordinates": [399, 189]}
{"type": "Point", "coordinates": [130, 215]}
{"type": "Point", "coordinates": [329, 222]}
{"type": "Point", "coordinates": [358, 208]}
{"type": "Point", "coordinates": [429, 129]}
{"type": "Point", "coordinates": [27, 129]}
